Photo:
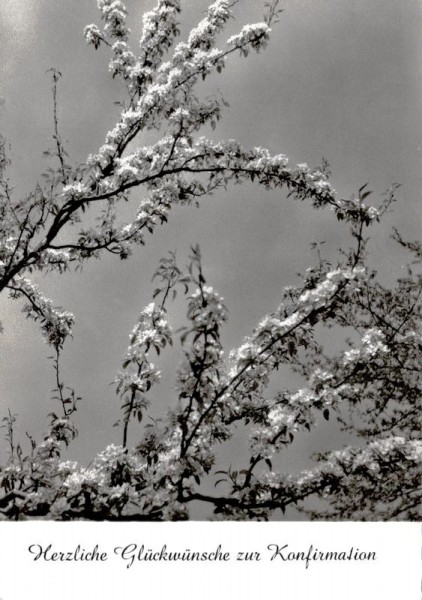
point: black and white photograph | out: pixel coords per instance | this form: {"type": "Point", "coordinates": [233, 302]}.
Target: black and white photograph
{"type": "Point", "coordinates": [210, 261]}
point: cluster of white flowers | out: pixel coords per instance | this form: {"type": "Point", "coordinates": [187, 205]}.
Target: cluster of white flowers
{"type": "Point", "coordinates": [56, 323]}
{"type": "Point", "coordinates": [373, 344]}
{"type": "Point", "coordinates": [151, 331]}
{"type": "Point", "coordinates": [114, 14]}
{"type": "Point", "coordinates": [281, 422]}
{"type": "Point", "coordinates": [257, 357]}
{"type": "Point", "coordinates": [110, 480]}
{"type": "Point", "coordinates": [347, 465]}
{"type": "Point", "coordinates": [190, 60]}
{"type": "Point", "coordinates": [151, 211]}
{"type": "Point", "coordinates": [298, 411]}
{"type": "Point", "coordinates": [83, 479]}
{"type": "Point", "coordinates": [160, 27]}
{"type": "Point", "coordinates": [123, 61]}
{"type": "Point", "coordinates": [48, 449]}
{"type": "Point", "coordinates": [204, 33]}
{"type": "Point", "coordinates": [206, 312]}
{"type": "Point", "coordinates": [66, 467]}
{"type": "Point", "coordinates": [139, 373]}
{"type": "Point", "coordinates": [354, 209]}
{"type": "Point", "coordinates": [54, 259]}
{"type": "Point", "coordinates": [317, 298]}
{"type": "Point", "coordinates": [207, 308]}
{"type": "Point", "coordinates": [74, 191]}
{"type": "Point", "coordinates": [256, 36]}
{"type": "Point", "coordinates": [92, 35]}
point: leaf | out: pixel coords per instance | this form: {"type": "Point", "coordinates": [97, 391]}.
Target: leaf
{"type": "Point", "coordinates": [219, 481]}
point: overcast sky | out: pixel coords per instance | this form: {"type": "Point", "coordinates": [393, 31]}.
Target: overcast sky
{"type": "Point", "coordinates": [341, 79]}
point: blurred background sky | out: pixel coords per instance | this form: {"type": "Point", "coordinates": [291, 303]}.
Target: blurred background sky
{"type": "Point", "coordinates": [340, 79]}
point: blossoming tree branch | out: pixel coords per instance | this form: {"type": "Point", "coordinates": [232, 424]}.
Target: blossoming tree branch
{"type": "Point", "coordinates": [372, 386]}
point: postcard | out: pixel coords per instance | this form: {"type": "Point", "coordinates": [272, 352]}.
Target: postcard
{"type": "Point", "coordinates": [210, 266]}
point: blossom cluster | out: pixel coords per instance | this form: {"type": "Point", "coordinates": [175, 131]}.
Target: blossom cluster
{"type": "Point", "coordinates": [362, 478]}
{"type": "Point", "coordinates": [139, 373]}
{"type": "Point", "coordinates": [279, 334]}
{"type": "Point", "coordinates": [56, 323]}
{"type": "Point", "coordinates": [373, 343]}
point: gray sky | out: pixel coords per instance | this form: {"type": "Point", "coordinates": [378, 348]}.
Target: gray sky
{"type": "Point", "coordinates": [340, 79]}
